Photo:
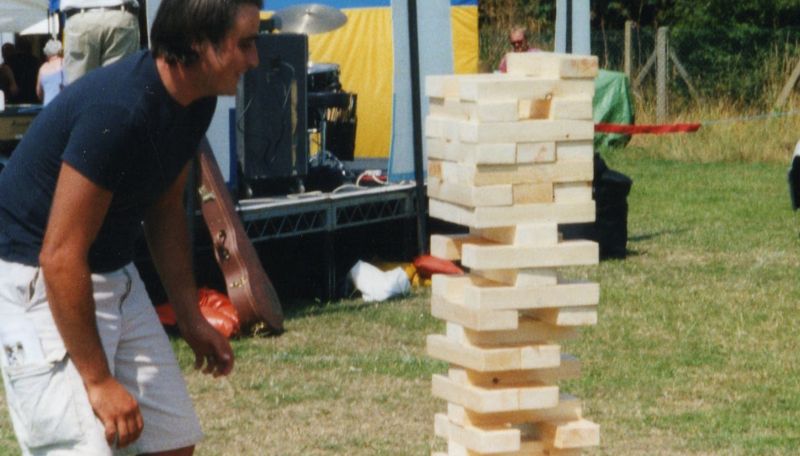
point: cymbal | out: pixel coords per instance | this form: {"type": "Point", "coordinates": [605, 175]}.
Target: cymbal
{"type": "Point", "coordinates": [309, 19]}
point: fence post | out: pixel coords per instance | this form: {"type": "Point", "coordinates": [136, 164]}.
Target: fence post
{"type": "Point", "coordinates": [628, 38]}
{"type": "Point", "coordinates": [662, 103]}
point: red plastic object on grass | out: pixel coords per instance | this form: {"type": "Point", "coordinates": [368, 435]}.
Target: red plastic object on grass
{"type": "Point", "coordinates": [215, 307]}
{"type": "Point", "coordinates": [427, 265]}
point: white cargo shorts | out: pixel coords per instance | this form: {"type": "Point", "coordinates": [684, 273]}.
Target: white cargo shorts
{"type": "Point", "coordinates": [46, 398]}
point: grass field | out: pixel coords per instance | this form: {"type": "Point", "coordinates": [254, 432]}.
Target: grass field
{"type": "Point", "coordinates": [695, 351]}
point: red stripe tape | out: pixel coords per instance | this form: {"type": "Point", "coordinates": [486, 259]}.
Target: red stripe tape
{"type": "Point", "coordinates": [652, 129]}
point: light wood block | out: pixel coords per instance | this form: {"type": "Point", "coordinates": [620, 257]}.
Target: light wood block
{"type": "Point", "coordinates": [468, 195]}
{"type": "Point", "coordinates": [532, 193]}
{"type": "Point", "coordinates": [552, 65]}
{"type": "Point", "coordinates": [541, 356]}
{"type": "Point", "coordinates": [482, 440]}
{"type": "Point", "coordinates": [579, 108]}
{"type": "Point", "coordinates": [488, 217]}
{"type": "Point", "coordinates": [480, 320]}
{"type": "Point", "coordinates": [572, 192]}
{"type": "Point", "coordinates": [569, 368]}
{"type": "Point", "coordinates": [494, 111]}
{"type": "Point", "coordinates": [503, 87]}
{"type": "Point", "coordinates": [480, 175]}
{"type": "Point", "coordinates": [575, 151]}
{"type": "Point", "coordinates": [492, 400]}
{"type": "Point", "coordinates": [565, 294]}
{"type": "Point", "coordinates": [567, 316]}
{"type": "Point", "coordinates": [536, 152]}
{"type": "Point", "coordinates": [528, 330]}
{"type": "Point", "coordinates": [475, 292]}
{"type": "Point", "coordinates": [570, 434]}
{"type": "Point", "coordinates": [449, 246]}
{"type": "Point", "coordinates": [537, 130]}
{"type": "Point", "coordinates": [566, 253]}
{"type": "Point", "coordinates": [490, 154]}
{"type": "Point", "coordinates": [530, 234]}
{"type": "Point", "coordinates": [568, 409]}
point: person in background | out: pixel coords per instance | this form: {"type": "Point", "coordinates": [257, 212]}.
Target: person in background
{"type": "Point", "coordinates": [25, 66]}
{"type": "Point", "coordinates": [519, 43]}
{"type": "Point", "coordinates": [8, 83]}
{"type": "Point", "coordinates": [98, 33]}
{"type": "Point", "coordinates": [51, 74]}
{"type": "Point", "coordinates": [87, 366]}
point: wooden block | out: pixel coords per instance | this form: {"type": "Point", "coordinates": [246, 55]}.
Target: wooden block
{"type": "Point", "coordinates": [536, 152]}
{"type": "Point", "coordinates": [566, 253]}
{"type": "Point", "coordinates": [570, 434]}
{"type": "Point", "coordinates": [576, 293]}
{"type": "Point", "coordinates": [450, 287]}
{"type": "Point", "coordinates": [480, 175]}
{"type": "Point", "coordinates": [577, 108]}
{"type": "Point", "coordinates": [491, 400]}
{"type": "Point", "coordinates": [529, 234]}
{"type": "Point", "coordinates": [492, 154]}
{"type": "Point", "coordinates": [523, 131]}
{"type": "Point", "coordinates": [524, 397]}
{"type": "Point", "coordinates": [575, 151]}
{"type": "Point", "coordinates": [571, 192]}
{"type": "Point", "coordinates": [519, 277]}
{"type": "Point", "coordinates": [492, 359]}
{"type": "Point", "coordinates": [488, 217]}
{"type": "Point", "coordinates": [552, 65]}
{"type": "Point", "coordinates": [528, 331]}
{"type": "Point", "coordinates": [484, 440]}
{"type": "Point", "coordinates": [441, 425]}
{"type": "Point", "coordinates": [449, 246]}
{"type": "Point", "coordinates": [569, 368]}
{"type": "Point", "coordinates": [480, 320]}
{"type": "Point", "coordinates": [491, 111]}
{"type": "Point", "coordinates": [503, 87]}
{"type": "Point", "coordinates": [567, 316]}
{"type": "Point", "coordinates": [532, 193]}
{"type": "Point", "coordinates": [467, 195]}
{"type": "Point", "coordinates": [568, 409]}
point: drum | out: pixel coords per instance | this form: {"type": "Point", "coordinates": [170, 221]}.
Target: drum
{"type": "Point", "coordinates": [323, 77]}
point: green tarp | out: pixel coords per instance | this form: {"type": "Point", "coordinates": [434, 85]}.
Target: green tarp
{"type": "Point", "coordinates": [612, 104]}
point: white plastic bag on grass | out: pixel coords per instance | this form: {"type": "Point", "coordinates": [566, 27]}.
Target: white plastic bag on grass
{"type": "Point", "coordinates": [377, 285]}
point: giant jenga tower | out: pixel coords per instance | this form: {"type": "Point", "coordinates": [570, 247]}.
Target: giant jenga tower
{"type": "Point", "coordinates": [510, 156]}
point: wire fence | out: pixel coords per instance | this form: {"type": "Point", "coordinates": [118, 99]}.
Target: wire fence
{"type": "Point", "coordinates": [745, 68]}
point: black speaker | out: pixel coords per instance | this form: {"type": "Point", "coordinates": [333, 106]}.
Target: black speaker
{"type": "Point", "coordinates": [271, 110]}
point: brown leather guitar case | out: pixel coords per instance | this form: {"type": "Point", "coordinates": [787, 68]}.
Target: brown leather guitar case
{"type": "Point", "coordinates": [248, 286]}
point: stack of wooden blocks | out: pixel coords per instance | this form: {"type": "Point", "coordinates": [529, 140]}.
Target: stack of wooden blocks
{"type": "Point", "coordinates": [511, 157]}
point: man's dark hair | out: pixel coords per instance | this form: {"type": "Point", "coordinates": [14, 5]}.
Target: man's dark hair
{"type": "Point", "coordinates": [179, 24]}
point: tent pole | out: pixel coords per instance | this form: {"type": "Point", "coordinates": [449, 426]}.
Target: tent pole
{"type": "Point", "coordinates": [422, 210]}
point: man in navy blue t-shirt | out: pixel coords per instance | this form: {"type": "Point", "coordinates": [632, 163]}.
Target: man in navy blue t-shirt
{"type": "Point", "coordinates": [86, 365]}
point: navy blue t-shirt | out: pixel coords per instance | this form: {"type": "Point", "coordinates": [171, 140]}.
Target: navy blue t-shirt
{"type": "Point", "coordinates": [120, 128]}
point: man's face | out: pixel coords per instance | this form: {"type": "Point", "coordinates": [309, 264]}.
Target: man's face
{"type": "Point", "coordinates": [518, 42]}
{"type": "Point", "coordinates": [225, 64]}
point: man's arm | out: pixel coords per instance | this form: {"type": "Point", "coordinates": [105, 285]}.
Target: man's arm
{"type": "Point", "coordinates": [78, 210]}
{"type": "Point", "coordinates": [166, 231]}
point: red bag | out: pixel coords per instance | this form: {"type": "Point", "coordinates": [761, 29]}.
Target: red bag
{"type": "Point", "coordinates": [428, 265]}
{"type": "Point", "coordinates": [215, 307]}
{"type": "Point", "coordinates": [219, 311]}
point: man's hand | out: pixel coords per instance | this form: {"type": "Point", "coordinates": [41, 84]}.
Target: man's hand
{"type": "Point", "coordinates": [210, 347]}
{"type": "Point", "coordinates": [117, 410]}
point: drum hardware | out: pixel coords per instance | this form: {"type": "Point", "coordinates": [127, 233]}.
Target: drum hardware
{"type": "Point", "coordinates": [309, 19]}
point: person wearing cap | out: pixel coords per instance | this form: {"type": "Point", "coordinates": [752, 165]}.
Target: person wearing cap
{"type": "Point", "coordinates": [98, 33]}
{"type": "Point", "coordinates": [50, 80]}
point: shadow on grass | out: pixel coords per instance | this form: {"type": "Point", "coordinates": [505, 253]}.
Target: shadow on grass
{"type": "Point", "coordinates": [654, 235]}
